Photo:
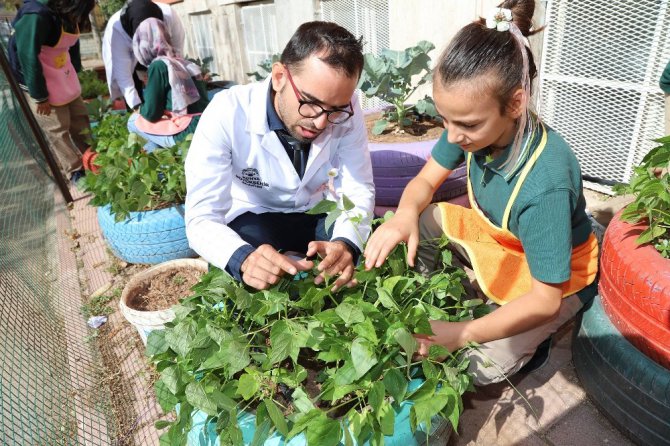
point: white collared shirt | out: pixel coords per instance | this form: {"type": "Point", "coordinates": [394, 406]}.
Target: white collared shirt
{"type": "Point", "coordinates": [236, 164]}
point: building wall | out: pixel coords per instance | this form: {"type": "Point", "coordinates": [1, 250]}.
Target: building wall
{"type": "Point", "coordinates": [434, 20]}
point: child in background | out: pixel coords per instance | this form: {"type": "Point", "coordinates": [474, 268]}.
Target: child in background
{"type": "Point", "coordinates": [44, 55]}
{"type": "Point", "coordinates": [527, 235]}
{"type": "Point", "coordinates": [175, 94]}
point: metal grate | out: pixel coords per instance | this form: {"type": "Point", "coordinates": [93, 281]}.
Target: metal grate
{"type": "Point", "coordinates": [367, 18]}
{"type": "Point", "coordinates": [602, 60]}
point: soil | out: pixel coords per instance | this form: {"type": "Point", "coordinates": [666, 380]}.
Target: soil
{"type": "Point", "coordinates": [421, 130]}
{"type": "Point", "coordinates": [166, 289]}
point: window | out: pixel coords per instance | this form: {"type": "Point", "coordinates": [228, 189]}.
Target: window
{"type": "Point", "coordinates": [260, 33]}
{"type": "Point", "coordinates": [203, 38]}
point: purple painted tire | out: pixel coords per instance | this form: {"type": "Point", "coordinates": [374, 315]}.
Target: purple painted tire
{"type": "Point", "coordinates": [395, 164]}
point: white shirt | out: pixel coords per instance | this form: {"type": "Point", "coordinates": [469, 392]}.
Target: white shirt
{"type": "Point", "coordinates": [118, 57]}
{"type": "Point", "coordinates": [236, 164]}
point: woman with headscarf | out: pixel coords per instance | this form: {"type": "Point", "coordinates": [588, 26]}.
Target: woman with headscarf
{"type": "Point", "coordinates": [117, 46]}
{"type": "Point", "coordinates": [44, 56]}
{"type": "Point", "coordinates": [175, 94]}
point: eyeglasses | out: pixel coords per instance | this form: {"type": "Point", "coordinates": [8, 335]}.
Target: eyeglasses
{"type": "Point", "coordinates": [312, 110]}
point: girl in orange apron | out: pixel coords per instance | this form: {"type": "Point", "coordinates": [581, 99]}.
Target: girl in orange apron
{"type": "Point", "coordinates": [46, 35]}
{"type": "Point", "coordinates": [174, 97]}
{"type": "Point", "coordinates": [527, 234]}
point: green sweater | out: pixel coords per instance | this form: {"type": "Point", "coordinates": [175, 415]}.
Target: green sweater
{"type": "Point", "coordinates": [665, 79]}
{"type": "Point", "coordinates": [548, 216]}
{"type": "Point", "coordinates": [158, 98]}
{"type": "Point", "coordinates": [31, 32]}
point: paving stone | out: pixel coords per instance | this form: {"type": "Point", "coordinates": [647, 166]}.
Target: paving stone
{"type": "Point", "coordinates": [585, 426]}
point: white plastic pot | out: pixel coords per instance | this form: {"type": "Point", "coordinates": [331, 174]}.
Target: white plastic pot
{"type": "Point", "coordinates": [146, 321]}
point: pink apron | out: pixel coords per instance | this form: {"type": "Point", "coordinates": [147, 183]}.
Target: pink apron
{"type": "Point", "coordinates": [168, 125]}
{"type": "Point", "coordinates": [61, 77]}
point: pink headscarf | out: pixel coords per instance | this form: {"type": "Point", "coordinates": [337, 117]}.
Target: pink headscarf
{"type": "Point", "coordinates": [151, 42]}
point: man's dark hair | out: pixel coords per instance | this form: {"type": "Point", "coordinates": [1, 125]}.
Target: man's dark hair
{"type": "Point", "coordinates": [337, 47]}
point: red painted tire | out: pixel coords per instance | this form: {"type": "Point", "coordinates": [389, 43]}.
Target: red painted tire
{"type": "Point", "coordinates": [635, 290]}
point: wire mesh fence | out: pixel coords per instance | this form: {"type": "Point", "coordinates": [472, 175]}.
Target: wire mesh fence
{"type": "Point", "coordinates": [601, 65]}
{"type": "Point", "coordinates": [49, 392]}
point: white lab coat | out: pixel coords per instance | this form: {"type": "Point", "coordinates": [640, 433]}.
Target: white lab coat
{"type": "Point", "coordinates": [118, 57]}
{"type": "Point", "coordinates": [237, 165]}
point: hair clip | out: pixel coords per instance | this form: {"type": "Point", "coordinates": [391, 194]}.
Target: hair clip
{"type": "Point", "coordinates": [499, 18]}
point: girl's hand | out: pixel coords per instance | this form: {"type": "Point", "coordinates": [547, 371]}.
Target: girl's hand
{"type": "Point", "coordinates": [43, 108]}
{"type": "Point", "coordinates": [402, 227]}
{"type": "Point", "coordinates": [447, 334]}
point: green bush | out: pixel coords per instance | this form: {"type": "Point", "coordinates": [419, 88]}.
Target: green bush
{"type": "Point", "coordinates": [130, 179]}
{"type": "Point", "coordinates": [650, 184]}
{"type": "Point", "coordinates": [391, 78]}
{"type": "Point", "coordinates": [91, 86]}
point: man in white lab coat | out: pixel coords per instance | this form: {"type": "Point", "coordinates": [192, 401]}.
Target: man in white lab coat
{"type": "Point", "coordinates": [261, 157]}
{"type": "Point", "coordinates": [117, 45]}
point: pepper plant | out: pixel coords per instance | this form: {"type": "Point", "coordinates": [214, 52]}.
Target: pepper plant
{"type": "Point", "coordinates": [334, 366]}
{"type": "Point", "coordinates": [393, 76]}
{"type": "Point", "coordinates": [650, 184]}
{"type": "Point", "coordinates": [130, 179]}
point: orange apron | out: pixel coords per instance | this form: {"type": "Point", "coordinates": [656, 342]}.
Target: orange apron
{"type": "Point", "coordinates": [497, 256]}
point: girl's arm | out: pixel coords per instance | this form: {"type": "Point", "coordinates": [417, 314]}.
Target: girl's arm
{"type": "Point", "coordinates": [156, 91]}
{"type": "Point", "coordinates": [537, 307]}
{"type": "Point", "coordinates": [404, 225]}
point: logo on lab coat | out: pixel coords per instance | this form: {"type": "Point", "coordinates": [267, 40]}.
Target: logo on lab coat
{"type": "Point", "coordinates": [251, 177]}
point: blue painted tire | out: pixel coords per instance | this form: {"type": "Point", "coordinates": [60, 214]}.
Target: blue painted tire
{"type": "Point", "coordinates": [205, 435]}
{"type": "Point", "coordinates": [630, 389]}
{"type": "Point", "coordinates": [395, 164]}
{"type": "Point", "coordinates": [147, 237]}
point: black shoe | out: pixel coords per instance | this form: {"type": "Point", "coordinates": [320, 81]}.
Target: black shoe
{"type": "Point", "coordinates": [539, 359]}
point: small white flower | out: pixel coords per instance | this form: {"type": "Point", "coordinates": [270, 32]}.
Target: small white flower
{"type": "Point", "coordinates": [503, 26]}
{"type": "Point", "coordinates": [499, 18]}
{"type": "Point", "coordinates": [333, 173]}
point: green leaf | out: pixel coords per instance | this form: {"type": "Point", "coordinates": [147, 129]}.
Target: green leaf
{"type": "Point", "coordinates": [363, 356]}
{"type": "Point", "coordinates": [366, 330]}
{"type": "Point", "coordinates": [406, 341]}
{"type": "Point", "coordinates": [248, 386]}
{"type": "Point", "coordinates": [379, 127]}
{"type": "Point", "coordinates": [426, 409]}
{"type": "Point", "coordinates": [171, 377]}
{"type": "Point", "coordinates": [301, 401]}
{"type": "Point", "coordinates": [347, 203]}
{"type": "Point", "coordinates": [166, 399]}
{"type": "Point", "coordinates": [386, 417]}
{"type": "Point", "coordinates": [261, 433]}
{"type": "Point", "coordinates": [197, 395]}
{"type": "Point", "coordinates": [162, 424]}
{"type": "Point", "coordinates": [277, 417]}
{"type": "Point", "coordinates": [331, 218]}
{"type": "Point", "coordinates": [349, 313]}
{"type": "Point", "coordinates": [304, 421]}
{"type": "Point", "coordinates": [324, 431]}
{"type": "Point", "coordinates": [376, 396]}
{"type": "Point", "coordinates": [396, 384]}
{"type": "Point", "coordinates": [322, 207]}
{"type": "Point", "coordinates": [156, 343]}
{"type": "Point", "coordinates": [287, 338]}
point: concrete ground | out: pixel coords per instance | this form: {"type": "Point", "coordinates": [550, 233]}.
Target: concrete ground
{"type": "Point", "coordinates": [547, 407]}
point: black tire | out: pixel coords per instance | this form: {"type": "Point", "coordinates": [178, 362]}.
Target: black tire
{"type": "Point", "coordinates": [631, 390]}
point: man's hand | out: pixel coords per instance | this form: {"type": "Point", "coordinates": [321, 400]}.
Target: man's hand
{"type": "Point", "coordinates": [265, 266]}
{"type": "Point", "coordinates": [336, 260]}
{"type": "Point", "coordinates": [43, 108]}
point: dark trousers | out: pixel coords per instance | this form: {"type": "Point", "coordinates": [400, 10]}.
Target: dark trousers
{"type": "Point", "coordinates": [284, 232]}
